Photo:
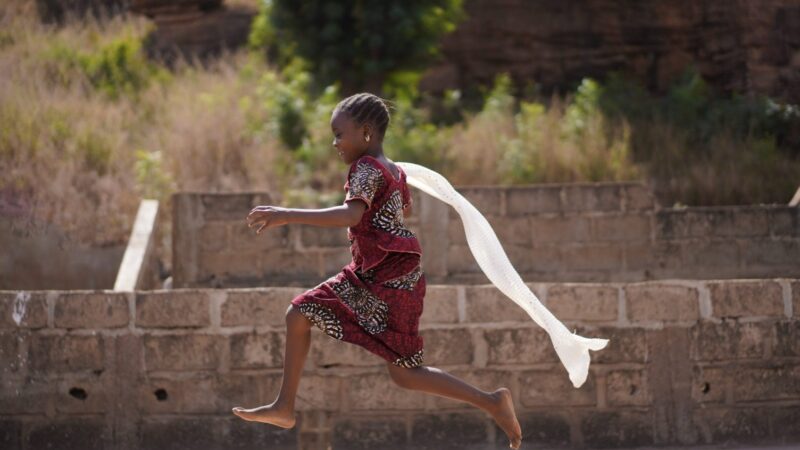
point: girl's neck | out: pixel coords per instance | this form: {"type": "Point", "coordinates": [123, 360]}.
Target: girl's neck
{"type": "Point", "coordinates": [375, 151]}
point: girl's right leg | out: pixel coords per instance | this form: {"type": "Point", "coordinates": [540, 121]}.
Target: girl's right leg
{"type": "Point", "coordinates": [281, 411]}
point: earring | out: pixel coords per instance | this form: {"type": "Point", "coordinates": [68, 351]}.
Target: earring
{"type": "Point", "coordinates": [367, 138]}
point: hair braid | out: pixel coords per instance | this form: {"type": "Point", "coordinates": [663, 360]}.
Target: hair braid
{"type": "Point", "coordinates": [367, 108]}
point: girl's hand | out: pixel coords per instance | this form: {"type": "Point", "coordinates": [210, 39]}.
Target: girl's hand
{"type": "Point", "coordinates": [267, 216]}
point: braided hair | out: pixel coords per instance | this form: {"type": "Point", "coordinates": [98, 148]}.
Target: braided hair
{"type": "Point", "coordinates": [366, 108]}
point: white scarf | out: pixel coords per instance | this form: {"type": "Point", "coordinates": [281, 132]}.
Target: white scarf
{"type": "Point", "coordinates": [573, 350]}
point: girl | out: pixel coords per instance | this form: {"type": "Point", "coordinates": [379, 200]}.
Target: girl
{"type": "Point", "coordinates": [376, 300]}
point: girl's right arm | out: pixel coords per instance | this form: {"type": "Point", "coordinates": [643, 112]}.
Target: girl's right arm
{"type": "Point", "coordinates": [346, 215]}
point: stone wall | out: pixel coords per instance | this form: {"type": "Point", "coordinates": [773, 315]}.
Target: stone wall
{"type": "Point", "coordinates": [740, 46]}
{"type": "Point", "coordinates": [555, 232]}
{"type": "Point", "coordinates": [688, 362]}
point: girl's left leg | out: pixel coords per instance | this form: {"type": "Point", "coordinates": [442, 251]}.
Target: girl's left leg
{"type": "Point", "coordinates": [436, 381]}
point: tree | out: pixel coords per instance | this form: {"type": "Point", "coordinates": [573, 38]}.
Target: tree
{"type": "Point", "coordinates": [361, 42]}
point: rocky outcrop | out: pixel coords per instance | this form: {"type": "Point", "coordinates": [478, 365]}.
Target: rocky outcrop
{"type": "Point", "coordinates": [741, 45]}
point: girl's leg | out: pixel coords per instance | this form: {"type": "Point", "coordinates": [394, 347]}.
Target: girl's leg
{"type": "Point", "coordinates": [438, 382]}
{"type": "Point", "coordinates": [281, 411]}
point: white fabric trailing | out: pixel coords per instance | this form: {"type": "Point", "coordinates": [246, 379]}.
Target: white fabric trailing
{"type": "Point", "coordinates": [572, 349]}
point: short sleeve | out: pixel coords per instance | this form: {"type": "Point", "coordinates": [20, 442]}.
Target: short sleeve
{"type": "Point", "coordinates": [363, 182]}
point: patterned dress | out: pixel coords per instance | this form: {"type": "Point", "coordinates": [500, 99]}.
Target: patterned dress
{"type": "Point", "coordinates": [377, 299]}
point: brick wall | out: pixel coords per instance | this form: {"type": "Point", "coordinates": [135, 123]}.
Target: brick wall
{"type": "Point", "coordinates": [705, 361]}
{"type": "Point", "coordinates": [581, 232]}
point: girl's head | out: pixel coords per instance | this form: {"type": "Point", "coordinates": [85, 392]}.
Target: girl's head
{"type": "Point", "coordinates": [359, 123]}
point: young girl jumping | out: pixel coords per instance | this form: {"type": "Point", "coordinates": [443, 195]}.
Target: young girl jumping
{"type": "Point", "coordinates": [376, 300]}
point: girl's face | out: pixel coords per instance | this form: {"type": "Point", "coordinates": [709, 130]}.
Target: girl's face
{"type": "Point", "coordinates": [348, 137]}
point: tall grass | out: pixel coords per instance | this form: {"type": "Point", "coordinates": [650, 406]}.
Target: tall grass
{"type": "Point", "coordinates": [88, 126]}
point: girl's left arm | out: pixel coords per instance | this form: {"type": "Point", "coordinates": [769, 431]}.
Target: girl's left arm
{"type": "Point", "coordinates": [346, 215]}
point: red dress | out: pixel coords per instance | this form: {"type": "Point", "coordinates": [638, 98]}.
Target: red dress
{"type": "Point", "coordinates": [376, 300]}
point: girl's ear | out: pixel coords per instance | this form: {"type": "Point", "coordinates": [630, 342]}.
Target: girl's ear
{"type": "Point", "coordinates": [367, 131]}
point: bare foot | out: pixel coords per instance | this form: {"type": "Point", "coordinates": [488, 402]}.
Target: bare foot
{"type": "Point", "coordinates": [506, 418]}
{"type": "Point", "coordinates": [267, 414]}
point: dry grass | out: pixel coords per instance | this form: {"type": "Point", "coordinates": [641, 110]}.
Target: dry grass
{"type": "Point", "coordinates": [81, 160]}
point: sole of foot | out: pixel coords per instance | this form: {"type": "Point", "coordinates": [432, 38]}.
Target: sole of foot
{"type": "Point", "coordinates": [506, 418]}
{"type": "Point", "coordinates": [266, 414]}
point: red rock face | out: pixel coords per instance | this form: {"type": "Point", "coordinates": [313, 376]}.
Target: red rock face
{"type": "Point", "coordinates": [750, 46]}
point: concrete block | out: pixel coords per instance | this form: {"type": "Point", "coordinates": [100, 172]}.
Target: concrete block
{"type": "Point", "coordinates": [522, 201]}
{"type": "Point", "coordinates": [724, 424]}
{"type": "Point", "coordinates": [512, 230]}
{"type": "Point", "coordinates": [455, 232]}
{"type": "Point", "coordinates": [243, 237]}
{"type": "Point", "coordinates": [539, 429]}
{"type": "Point", "coordinates": [592, 257]}
{"type": "Point", "coordinates": [69, 434]}
{"type": "Point", "coordinates": [257, 306]}
{"type": "Point", "coordinates": [182, 351]}
{"type": "Point", "coordinates": [592, 197]}
{"type": "Point", "coordinates": [215, 236]}
{"type": "Point", "coordinates": [376, 391]}
{"type": "Point", "coordinates": [519, 346]}
{"type": "Point", "coordinates": [624, 345]}
{"type": "Point", "coordinates": [488, 200]}
{"type": "Point", "coordinates": [247, 390]}
{"type": "Point", "coordinates": [445, 347]}
{"type": "Point", "coordinates": [714, 256]}
{"type": "Point", "coordinates": [571, 228]}
{"type": "Point", "coordinates": [180, 433]}
{"type": "Point", "coordinates": [68, 353]}
{"type": "Point", "coordinates": [760, 253]}
{"type": "Point", "coordinates": [746, 299]}
{"type": "Point", "coordinates": [81, 394]}
{"type": "Point", "coordinates": [795, 288]}
{"type": "Point", "coordinates": [173, 309]}
{"type": "Point", "coordinates": [186, 395]}
{"type": "Point", "coordinates": [91, 310]}
{"type": "Point", "coordinates": [221, 265]}
{"type": "Point", "coordinates": [11, 359]}
{"type": "Point", "coordinates": [440, 305]}
{"type": "Point", "coordinates": [553, 388]}
{"type": "Point", "coordinates": [617, 428]}
{"type": "Point", "coordinates": [369, 433]}
{"type": "Point", "coordinates": [787, 339]}
{"type": "Point", "coordinates": [30, 308]}
{"type": "Point", "coordinates": [448, 431]}
{"type": "Point", "coordinates": [233, 206]}
{"type": "Point", "coordinates": [727, 341]}
{"type": "Point", "coordinates": [767, 382]}
{"type": "Point", "coordinates": [461, 260]}
{"type": "Point", "coordinates": [648, 302]}
{"type": "Point", "coordinates": [583, 302]}
{"type": "Point", "coordinates": [257, 350]}
{"type": "Point", "coordinates": [628, 388]}
{"type": "Point", "coordinates": [11, 433]}
{"type": "Point", "coordinates": [488, 304]}
{"type": "Point", "coordinates": [26, 396]}
{"type": "Point", "coordinates": [639, 256]}
{"type": "Point", "coordinates": [621, 227]}
{"type": "Point", "coordinates": [784, 221]}
{"type": "Point", "coordinates": [638, 197]}
{"type": "Point", "coordinates": [710, 384]}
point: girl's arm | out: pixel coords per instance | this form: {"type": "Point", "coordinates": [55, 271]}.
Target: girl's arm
{"type": "Point", "coordinates": [346, 215]}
